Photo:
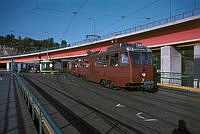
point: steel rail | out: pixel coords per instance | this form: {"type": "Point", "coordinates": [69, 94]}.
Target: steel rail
{"type": "Point", "coordinates": [95, 109]}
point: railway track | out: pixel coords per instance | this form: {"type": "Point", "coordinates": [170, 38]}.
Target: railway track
{"type": "Point", "coordinates": [189, 115]}
{"type": "Point", "coordinates": [114, 123]}
{"type": "Point", "coordinates": [175, 102]}
{"type": "Point", "coordinates": [82, 126]}
{"type": "Point", "coordinates": [96, 90]}
{"type": "Point", "coordinates": [132, 109]}
{"type": "Point", "coordinates": [119, 102]}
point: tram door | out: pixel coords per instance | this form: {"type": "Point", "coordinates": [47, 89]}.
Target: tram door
{"type": "Point", "coordinates": [90, 73]}
{"type": "Point", "coordinates": [118, 68]}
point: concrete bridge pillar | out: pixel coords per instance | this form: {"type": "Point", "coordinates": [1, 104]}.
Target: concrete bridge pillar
{"type": "Point", "coordinates": [170, 62]}
{"type": "Point", "coordinates": [197, 59]}
{"type": "Point", "coordinates": [8, 66]}
{"type": "Point", "coordinates": [58, 66]}
{"type": "Point", "coordinates": [197, 66]}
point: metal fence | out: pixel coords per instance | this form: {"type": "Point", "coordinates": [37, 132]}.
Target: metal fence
{"type": "Point", "coordinates": [179, 79]}
{"type": "Point", "coordinates": [129, 30]}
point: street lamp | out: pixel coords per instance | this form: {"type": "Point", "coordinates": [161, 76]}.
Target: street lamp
{"type": "Point", "coordinates": [47, 43]}
{"type": "Point", "coordinates": [12, 51]}
{"type": "Point", "coordinates": [94, 22]}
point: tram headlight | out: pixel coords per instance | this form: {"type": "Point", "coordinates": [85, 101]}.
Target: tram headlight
{"type": "Point", "coordinates": [144, 74]}
{"type": "Point", "coordinates": [51, 65]}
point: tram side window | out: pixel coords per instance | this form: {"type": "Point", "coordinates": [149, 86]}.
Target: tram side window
{"type": "Point", "coordinates": [45, 66]}
{"type": "Point", "coordinates": [136, 59]}
{"type": "Point", "coordinates": [80, 64]}
{"type": "Point", "coordinates": [86, 63]}
{"type": "Point", "coordinates": [114, 60]}
{"type": "Point", "coordinates": [123, 59]}
{"type": "Point", "coordinates": [102, 60]}
{"type": "Point", "coordinates": [105, 60]}
{"type": "Point", "coordinates": [99, 60]}
{"type": "Point", "coordinates": [148, 59]}
{"type": "Point", "coordinates": [73, 64]}
{"type": "Point", "coordinates": [141, 58]}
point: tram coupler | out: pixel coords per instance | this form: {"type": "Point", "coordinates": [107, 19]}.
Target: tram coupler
{"type": "Point", "coordinates": [149, 86]}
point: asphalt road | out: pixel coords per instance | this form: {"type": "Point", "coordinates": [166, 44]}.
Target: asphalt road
{"type": "Point", "coordinates": [96, 109]}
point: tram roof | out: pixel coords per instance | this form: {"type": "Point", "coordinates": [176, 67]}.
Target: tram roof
{"type": "Point", "coordinates": [129, 47]}
{"type": "Point", "coordinates": [136, 47]}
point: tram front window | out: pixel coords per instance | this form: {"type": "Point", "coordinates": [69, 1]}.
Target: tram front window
{"type": "Point", "coordinates": [123, 59]}
{"type": "Point", "coordinates": [45, 66]}
{"type": "Point", "coordinates": [141, 58]}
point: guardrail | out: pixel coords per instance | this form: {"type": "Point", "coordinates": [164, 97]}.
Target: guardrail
{"type": "Point", "coordinates": [185, 81]}
{"type": "Point", "coordinates": [129, 30]}
{"type": "Point", "coordinates": [144, 26]}
{"type": "Point", "coordinates": [45, 121]}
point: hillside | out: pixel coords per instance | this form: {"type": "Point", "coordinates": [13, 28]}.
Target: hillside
{"type": "Point", "coordinates": [9, 45]}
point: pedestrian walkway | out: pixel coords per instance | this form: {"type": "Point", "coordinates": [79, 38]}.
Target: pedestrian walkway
{"type": "Point", "coordinates": [14, 116]}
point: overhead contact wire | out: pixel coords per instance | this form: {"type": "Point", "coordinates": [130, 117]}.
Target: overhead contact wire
{"type": "Point", "coordinates": [130, 14]}
{"type": "Point", "coordinates": [73, 17]}
{"type": "Point", "coordinates": [19, 16]}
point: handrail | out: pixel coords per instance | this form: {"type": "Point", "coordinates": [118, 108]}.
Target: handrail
{"type": "Point", "coordinates": [175, 73]}
{"type": "Point", "coordinates": [37, 103]}
{"type": "Point", "coordinates": [127, 31]}
{"type": "Point", "coordinates": [180, 79]}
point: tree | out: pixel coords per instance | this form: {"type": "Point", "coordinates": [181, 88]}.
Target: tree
{"type": "Point", "coordinates": [28, 44]}
{"type": "Point", "coordinates": [57, 44]}
{"type": "Point", "coordinates": [63, 43]}
{"type": "Point", "coordinates": [51, 42]}
{"type": "Point", "coordinates": [10, 37]}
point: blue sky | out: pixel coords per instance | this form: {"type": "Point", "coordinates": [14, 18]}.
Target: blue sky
{"type": "Point", "coordinates": [72, 20]}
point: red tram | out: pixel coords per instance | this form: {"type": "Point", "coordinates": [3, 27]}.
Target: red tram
{"type": "Point", "coordinates": [122, 65]}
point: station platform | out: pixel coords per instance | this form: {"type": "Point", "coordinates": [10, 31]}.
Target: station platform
{"type": "Point", "coordinates": [14, 116]}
